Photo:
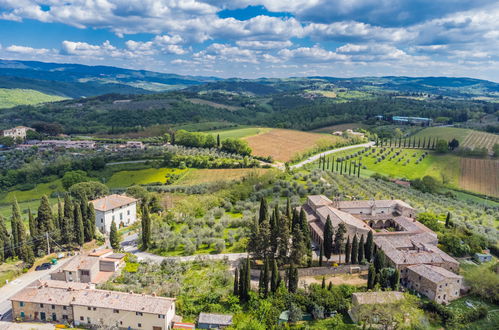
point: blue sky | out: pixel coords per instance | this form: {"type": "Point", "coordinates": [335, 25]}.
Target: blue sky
{"type": "Point", "coordinates": [260, 38]}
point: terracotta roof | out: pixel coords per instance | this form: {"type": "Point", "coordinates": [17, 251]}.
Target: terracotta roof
{"type": "Point", "coordinates": [377, 203]}
{"type": "Point", "coordinates": [319, 200]}
{"type": "Point", "coordinates": [111, 202]}
{"type": "Point", "coordinates": [433, 273]}
{"type": "Point", "coordinates": [80, 262]}
{"type": "Point", "coordinates": [183, 325]}
{"type": "Point", "coordinates": [100, 253]}
{"type": "Point", "coordinates": [123, 301]}
{"type": "Point", "coordinates": [220, 319]}
{"type": "Point", "coordinates": [49, 292]}
{"type": "Point", "coordinates": [379, 297]}
{"type": "Point", "coordinates": [338, 217]}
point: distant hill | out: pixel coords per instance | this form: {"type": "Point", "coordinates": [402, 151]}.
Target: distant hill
{"type": "Point", "coordinates": [12, 97]}
{"type": "Point", "coordinates": [76, 80]}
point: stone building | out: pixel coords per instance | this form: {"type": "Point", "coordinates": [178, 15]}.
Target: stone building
{"type": "Point", "coordinates": [17, 132]}
{"type": "Point", "coordinates": [434, 282]}
{"type": "Point", "coordinates": [118, 208]}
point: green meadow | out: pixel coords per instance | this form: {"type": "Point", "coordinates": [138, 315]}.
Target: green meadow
{"type": "Point", "coordinates": [239, 133]}
{"type": "Point", "coordinates": [12, 97]}
{"type": "Point", "coordinates": [445, 133]}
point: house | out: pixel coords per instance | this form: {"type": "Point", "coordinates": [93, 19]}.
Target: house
{"type": "Point", "coordinates": [405, 242]}
{"type": "Point", "coordinates": [118, 208]}
{"type": "Point", "coordinates": [17, 132]}
{"type": "Point", "coordinates": [436, 283]}
{"type": "Point", "coordinates": [214, 321]}
{"type": "Point", "coordinates": [482, 257]}
{"type": "Point", "coordinates": [361, 299]}
{"type": "Point", "coordinates": [135, 145]}
{"type": "Point", "coordinates": [64, 302]}
{"type": "Point", "coordinates": [412, 120]}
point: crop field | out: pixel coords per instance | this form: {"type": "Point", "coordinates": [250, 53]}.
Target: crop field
{"type": "Point", "coordinates": [215, 105]}
{"type": "Point", "coordinates": [239, 133]}
{"type": "Point", "coordinates": [403, 163]}
{"type": "Point", "coordinates": [283, 144]}
{"type": "Point", "coordinates": [196, 176]}
{"type": "Point", "coordinates": [12, 97]}
{"type": "Point", "coordinates": [478, 139]}
{"type": "Point", "coordinates": [480, 175]}
{"type": "Point", "coordinates": [124, 179]}
{"type": "Point", "coordinates": [339, 127]}
{"type": "Point", "coordinates": [445, 133]}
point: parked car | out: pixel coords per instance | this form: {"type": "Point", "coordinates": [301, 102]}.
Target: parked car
{"type": "Point", "coordinates": [44, 266]}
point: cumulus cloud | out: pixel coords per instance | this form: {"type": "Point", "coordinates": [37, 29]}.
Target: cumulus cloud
{"type": "Point", "coordinates": [27, 50]}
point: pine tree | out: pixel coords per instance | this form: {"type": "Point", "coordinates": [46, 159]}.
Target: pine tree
{"type": "Point", "coordinates": [447, 221]}
{"type": "Point", "coordinates": [361, 249]}
{"type": "Point", "coordinates": [264, 211]}
{"type": "Point", "coordinates": [323, 284]}
{"type": "Point", "coordinates": [236, 282]}
{"type": "Point", "coordinates": [67, 224]}
{"type": "Point", "coordinates": [292, 278]}
{"type": "Point", "coordinates": [328, 238]}
{"type": "Point", "coordinates": [355, 250]}
{"type": "Point", "coordinates": [146, 228]}
{"type": "Point", "coordinates": [274, 276]}
{"type": "Point", "coordinates": [348, 248]}
{"type": "Point", "coordinates": [114, 239]}
{"type": "Point", "coordinates": [79, 235]}
{"type": "Point", "coordinates": [45, 219]}
{"type": "Point", "coordinates": [91, 217]}
{"type": "Point", "coordinates": [369, 246]}
{"type": "Point", "coordinates": [321, 254]}
{"type": "Point", "coordinates": [32, 224]}
{"type": "Point", "coordinates": [371, 277]}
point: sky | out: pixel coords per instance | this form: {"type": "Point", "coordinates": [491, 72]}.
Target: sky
{"type": "Point", "coordinates": [260, 38]}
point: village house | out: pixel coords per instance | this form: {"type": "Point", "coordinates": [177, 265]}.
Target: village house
{"type": "Point", "coordinates": [118, 208]}
{"type": "Point", "coordinates": [360, 299]}
{"type": "Point", "coordinates": [18, 132]}
{"type": "Point", "coordinates": [405, 242]}
{"type": "Point", "coordinates": [78, 303]}
{"type": "Point", "coordinates": [214, 321]}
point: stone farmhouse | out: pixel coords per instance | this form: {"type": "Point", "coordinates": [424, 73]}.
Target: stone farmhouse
{"type": "Point", "coordinates": [360, 299]}
{"type": "Point", "coordinates": [78, 303]}
{"type": "Point", "coordinates": [408, 245]}
{"type": "Point", "coordinates": [118, 208]}
{"type": "Point", "coordinates": [17, 132]}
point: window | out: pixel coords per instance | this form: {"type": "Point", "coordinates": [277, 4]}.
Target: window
{"type": "Point", "coordinates": [54, 317]}
{"type": "Point", "coordinates": [139, 325]}
{"type": "Point", "coordinates": [121, 216]}
{"type": "Point", "coordinates": [64, 317]}
{"type": "Point", "coordinates": [95, 308]}
{"type": "Point", "coordinates": [89, 308]}
{"type": "Point", "coordinates": [138, 313]}
{"type": "Point", "coordinates": [41, 305]}
{"type": "Point", "coordinates": [113, 218]}
{"type": "Point", "coordinates": [64, 308]}
{"type": "Point", "coordinates": [22, 314]}
{"type": "Point", "coordinates": [81, 318]}
{"type": "Point", "coordinates": [161, 316]}
{"type": "Point", "coordinates": [121, 322]}
{"type": "Point", "coordinates": [85, 272]}
{"type": "Point", "coordinates": [116, 311]}
{"type": "Point", "coordinates": [21, 303]}
{"type": "Point", "coordinates": [53, 306]}
{"type": "Point", "coordinates": [128, 212]}
{"type": "Point", "coordinates": [101, 220]}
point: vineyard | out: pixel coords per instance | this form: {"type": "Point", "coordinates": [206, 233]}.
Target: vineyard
{"type": "Point", "coordinates": [480, 140]}
{"type": "Point", "coordinates": [480, 175]}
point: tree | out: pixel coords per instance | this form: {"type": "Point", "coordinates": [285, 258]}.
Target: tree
{"type": "Point", "coordinates": [371, 275]}
{"type": "Point", "coordinates": [91, 189]}
{"type": "Point", "coordinates": [442, 146]}
{"type": "Point", "coordinates": [321, 254]}
{"type": "Point", "coordinates": [355, 249]}
{"type": "Point", "coordinates": [348, 248]}
{"type": "Point", "coordinates": [328, 238]}
{"type": "Point", "coordinates": [236, 146]}
{"type": "Point", "coordinates": [79, 234]}
{"type": "Point", "coordinates": [295, 313]}
{"type": "Point", "coordinates": [6, 240]}
{"type": "Point", "coordinates": [453, 144]}
{"type": "Point", "coordinates": [73, 177]}
{"type": "Point", "coordinates": [32, 224]}
{"type": "Point", "coordinates": [114, 239]}
{"type": "Point", "coordinates": [379, 260]}
{"type": "Point", "coordinates": [395, 280]}
{"type": "Point", "coordinates": [369, 246]}
{"type": "Point", "coordinates": [236, 282]}
{"type": "Point", "coordinates": [67, 224]}
{"type": "Point", "coordinates": [45, 218]}
{"type": "Point", "coordinates": [91, 219]}
{"type": "Point", "coordinates": [58, 219]}
{"type": "Point", "coordinates": [245, 281]}
{"type": "Point", "coordinates": [298, 248]}
{"type": "Point", "coordinates": [447, 220]}
{"type": "Point", "coordinates": [292, 278]}
{"type": "Point", "coordinates": [218, 141]}
{"type": "Point", "coordinates": [264, 211]}
{"type": "Point", "coordinates": [361, 249]}
{"type": "Point", "coordinates": [274, 280]}
{"type": "Point", "coordinates": [339, 238]}
{"type": "Point", "coordinates": [305, 229]}
{"type": "Point", "coordinates": [146, 228]}
{"type": "Point", "coordinates": [323, 284]}
{"type": "Point", "coordinates": [264, 287]}
{"type": "Point", "coordinates": [22, 248]}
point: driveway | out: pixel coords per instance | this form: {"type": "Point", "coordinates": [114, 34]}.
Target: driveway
{"type": "Point", "coordinates": [129, 244]}
{"type": "Point", "coordinates": [316, 157]}
{"type": "Point", "coordinates": [10, 289]}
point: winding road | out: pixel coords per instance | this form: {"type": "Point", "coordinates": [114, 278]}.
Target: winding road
{"type": "Point", "coordinates": [316, 157]}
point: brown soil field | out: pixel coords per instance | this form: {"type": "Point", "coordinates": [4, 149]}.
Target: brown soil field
{"type": "Point", "coordinates": [195, 176]}
{"type": "Point", "coordinates": [283, 144]}
{"type": "Point", "coordinates": [215, 105]}
{"type": "Point", "coordinates": [350, 279]}
{"type": "Point", "coordinates": [480, 175]}
{"type": "Point", "coordinates": [478, 139]}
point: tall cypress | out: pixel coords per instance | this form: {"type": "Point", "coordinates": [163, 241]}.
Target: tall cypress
{"type": "Point", "coordinates": [305, 228]}
{"type": "Point", "coordinates": [23, 249]}
{"type": "Point", "coordinates": [265, 278]}
{"type": "Point", "coordinates": [114, 240]}
{"type": "Point", "coordinates": [371, 277]}
{"type": "Point", "coordinates": [447, 220]}
{"type": "Point", "coordinates": [328, 238]}
{"type": "Point", "coordinates": [6, 239]}
{"type": "Point", "coordinates": [361, 249]}
{"type": "Point", "coordinates": [369, 246]}
{"type": "Point", "coordinates": [264, 211]}
{"type": "Point", "coordinates": [292, 278]}
{"type": "Point", "coordinates": [16, 214]}
{"type": "Point", "coordinates": [321, 254]}
{"type": "Point", "coordinates": [323, 284]}
{"type": "Point", "coordinates": [79, 237]}
{"type": "Point", "coordinates": [246, 281]}
{"type": "Point", "coordinates": [60, 215]}
{"type": "Point", "coordinates": [67, 224]}
{"type": "Point", "coordinates": [379, 260]}
{"type": "Point", "coordinates": [146, 228]}
{"type": "Point", "coordinates": [218, 141]}
{"type": "Point", "coordinates": [91, 218]}
{"type": "Point", "coordinates": [288, 208]}
{"type": "Point", "coordinates": [32, 224]}
{"type": "Point", "coordinates": [347, 251]}
{"type": "Point", "coordinates": [87, 231]}
{"type": "Point", "coordinates": [236, 282]}
{"type": "Point", "coordinates": [45, 218]}
{"type": "Point", "coordinates": [355, 249]}
{"type": "Point", "coordinates": [274, 279]}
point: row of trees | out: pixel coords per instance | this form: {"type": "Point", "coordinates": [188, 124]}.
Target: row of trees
{"type": "Point", "coordinates": [340, 166]}
{"type": "Point", "coordinates": [202, 140]}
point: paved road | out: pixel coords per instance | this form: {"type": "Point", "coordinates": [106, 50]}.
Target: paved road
{"type": "Point", "coordinates": [8, 290]}
{"type": "Point", "coordinates": [129, 162]}
{"type": "Point", "coordinates": [129, 244]}
{"type": "Point", "coordinates": [316, 157]}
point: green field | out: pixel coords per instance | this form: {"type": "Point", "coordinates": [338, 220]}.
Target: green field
{"type": "Point", "coordinates": [445, 133]}
{"type": "Point", "coordinates": [438, 166]}
{"type": "Point", "coordinates": [239, 132]}
{"type": "Point", "coordinates": [124, 179]}
{"type": "Point", "coordinates": [459, 306]}
{"type": "Point", "coordinates": [12, 97]}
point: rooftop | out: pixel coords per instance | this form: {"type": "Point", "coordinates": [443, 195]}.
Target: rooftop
{"type": "Point", "coordinates": [111, 202]}
{"type": "Point", "coordinates": [209, 318]}
{"type": "Point", "coordinates": [80, 262]}
{"type": "Point", "coordinates": [433, 273]}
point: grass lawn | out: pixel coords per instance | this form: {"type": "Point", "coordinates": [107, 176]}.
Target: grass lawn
{"type": "Point", "coordinates": [445, 133]}
{"type": "Point", "coordinates": [10, 97]}
{"type": "Point", "coordinates": [239, 132]}
{"type": "Point", "coordinates": [124, 179]}
{"type": "Point", "coordinates": [490, 322]}
{"type": "Point", "coordinates": [196, 176]}
{"type": "Point", "coordinates": [35, 193]}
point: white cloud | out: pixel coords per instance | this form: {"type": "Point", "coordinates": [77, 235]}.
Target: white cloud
{"type": "Point", "coordinates": [314, 53]}
{"type": "Point", "coordinates": [264, 44]}
{"type": "Point", "coordinates": [27, 50]}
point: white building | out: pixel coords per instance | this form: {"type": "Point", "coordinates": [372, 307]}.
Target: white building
{"type": "Point", "coordinates": [118, 208]}
{"type": "Point", "coordinates": [17, 132]}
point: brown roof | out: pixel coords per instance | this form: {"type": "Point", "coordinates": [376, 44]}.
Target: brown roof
{"type": "Point", "coordinates": [49, 292]}
{"type": "Point", "coordinates": [319, 200]}
{"type": "Point", "coordinates": [338, 217]}
{"type": "Point", "coordinates": [369, 203]}
{"type": "Point", "coordinates": [211, 318]}
{"type": "Point", "coordinates": [111, 202]}
{"type": "Point", "coordinates": [433, 273]}
{"type": "Point", "coordinates": [99, 253]}
{"type": "Point", "coordinates": [80, 262]}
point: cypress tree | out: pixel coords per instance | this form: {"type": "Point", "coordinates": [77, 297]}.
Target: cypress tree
{"type": "Point", "coordinates": [328, 238]}
{"type": "Point", "coordinates": [350, 168]}
{"type": "Point", "coordinates": [58, 220]}
{"type": "Point", "coordinates": [284, 237]}
{"type": "Point", "coordinates": [347, 251]}
{"type": "Point", "coordinates": [45, 219]}
{"type": "Point", "coordinates": [288, 208]}
{"type": "Point", "coordinates": [242, 274]}
{"type": "Point", "coordinates": [379, 260]}
{"type": "Point", "coordinates": [32, 224]}
{"type": "Point", "coordinates": [16, 214]}
{"type": "Point", "coordinates": [371, 277]}
{"type": "Point", "coordinates": [305, 229]}
{"type": "Point", "coordinates": [23, 249]}
{"type": "Point", "coordinates": [332, 165]}
{"type": "Point", "coordinates": [355, 249]}
{"type": "Point", "coordinates": [86, 221]}
{"type": "Point", "coordinates": [274, 276]}
{"type": "Point", "coordinates": [236, 282]}
{"type": "Point", "coordinates": [369, 246]}
{"type": "Point", "coordinates": [323, 285]}
{"type": "Point", "coordinates": [321, 254]}
{"type": "Point", "coordinates": [361, 249]}
{"type": "Point", "coordinates": [6, 239]}
{"type": "Point", "coordinates": [395, 280]}
{"type": "Point", "coordinates": [447, 220]}
{"type": "Point", "coordinates": [114, 239]}
{"type": "Point", "coordinates": [339, 238]}
{"type": "Point", "coordinates": [264, 211]}
{"type": "Point", "coordinates": [91, 218]}
{"type": "Point", "coordinates": [247, 280]}
{"type": "Point", "coordinates": [146, 228]}
{"type": "Point", "coordinates": [292, 278]}
{"type": "Point", "coordinates": [358, 171]}
{"type": "Point", "coordinates": [330, 286]}
{"type": "Point", "coordinates": [265, 278]}
{"type": "Point", "coordinates": [67, 224]}
{"type": "Point", "coordinates": [2, 254]}
{"type": "Point", "coordinates": [298, 248]}
{"type": "Point", "coordinates": [79, 237]}
{"type": "Point", "coordinates": [337, 165]}
{"type": "Point", "coordinates": [218, 141]}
